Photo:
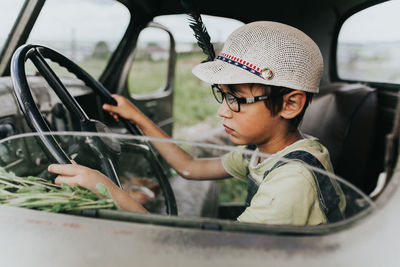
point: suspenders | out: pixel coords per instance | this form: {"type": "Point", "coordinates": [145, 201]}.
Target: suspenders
{"type": "Point", "coordinates": [327, 195]}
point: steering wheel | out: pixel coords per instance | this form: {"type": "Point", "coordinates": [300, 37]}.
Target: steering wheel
{"type": "Point", "coordinates": [105, 151]}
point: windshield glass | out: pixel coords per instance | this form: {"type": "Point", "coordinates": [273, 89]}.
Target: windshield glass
{"type": "Point", "coordinates": [8, 13]}
{"type": "Point", "coordinates": [87, 35]}
{"type": "Point", "coordinates": [142, 173]}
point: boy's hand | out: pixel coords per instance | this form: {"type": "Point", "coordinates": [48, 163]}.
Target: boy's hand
{"type": "Point", "coordinates": [124, 108]}
{"type": "Point", "coordinates": [74, 174]}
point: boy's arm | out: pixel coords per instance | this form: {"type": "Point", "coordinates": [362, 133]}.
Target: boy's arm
{"type": "Point", "coordinates": [177, 158]}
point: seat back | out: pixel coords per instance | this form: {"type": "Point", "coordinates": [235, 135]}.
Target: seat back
{"type": "Point", "coordinates": [343, 117]}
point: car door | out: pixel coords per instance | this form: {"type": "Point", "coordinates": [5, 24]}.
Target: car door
{"type": "Point", "coordinates": [368, 53]}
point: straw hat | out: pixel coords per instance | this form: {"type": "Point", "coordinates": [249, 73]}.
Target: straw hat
{"type": "Point", "coordinates": [268, 53]}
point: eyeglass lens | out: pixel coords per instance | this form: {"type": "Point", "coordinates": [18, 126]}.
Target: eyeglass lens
{"type": "Point", "coordinates": [218, 94]}
{"type": "Point", "coordinates": [230, 99]}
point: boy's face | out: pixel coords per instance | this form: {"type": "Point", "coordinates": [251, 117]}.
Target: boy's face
{"type": "Point", "coordinates": [254, 124]}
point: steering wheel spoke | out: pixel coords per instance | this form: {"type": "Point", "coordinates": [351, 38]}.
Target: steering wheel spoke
{"type": "Point", "coordinates": [58, 87]}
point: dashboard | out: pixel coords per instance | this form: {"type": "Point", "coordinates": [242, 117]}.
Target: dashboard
{"type": "Point", "coordinates": [24, 155]}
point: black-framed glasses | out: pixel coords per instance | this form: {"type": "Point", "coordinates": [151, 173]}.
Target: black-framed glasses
{"type": "Point", "coordinates": [233, 101]}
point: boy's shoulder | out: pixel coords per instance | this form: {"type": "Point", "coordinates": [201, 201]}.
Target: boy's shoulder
{"type": "Point", "coordinates": [308, 144]}
{"type": "Point", "coordinates": [313, 146]}
{"type": "Point", "coordinates": [241, 160]}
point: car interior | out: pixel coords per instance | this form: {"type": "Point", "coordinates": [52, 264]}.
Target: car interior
{"type": "Point", "coordinates": [351, 117]}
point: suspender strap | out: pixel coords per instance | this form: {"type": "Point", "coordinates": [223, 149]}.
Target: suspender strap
{"type": "Point", "coordinates": [327, 195]}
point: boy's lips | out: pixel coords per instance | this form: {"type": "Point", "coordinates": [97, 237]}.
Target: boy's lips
{"type": "Point", "coordinates": [227, 129]}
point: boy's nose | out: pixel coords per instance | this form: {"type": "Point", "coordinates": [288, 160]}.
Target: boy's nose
{"type": "Point", "coordinates": [224, 111]}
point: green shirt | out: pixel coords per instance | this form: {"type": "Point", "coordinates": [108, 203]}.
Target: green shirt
{"type": "Point", "coordinates": [288, 194]}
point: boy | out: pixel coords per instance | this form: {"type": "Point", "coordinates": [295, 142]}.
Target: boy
{"type": "Point", "coordinates": [264, 79]}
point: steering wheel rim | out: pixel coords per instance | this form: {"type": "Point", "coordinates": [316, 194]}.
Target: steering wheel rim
{"type": "Point", "coordinates": [37, 54]}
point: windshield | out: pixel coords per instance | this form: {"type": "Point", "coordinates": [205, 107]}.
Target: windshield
{"type": "Point", "coordinates": [138, 170]}
{"type": "Point", "coordinates": [88, 35]}
{"type": "Point", "coordinates": [8, 13]}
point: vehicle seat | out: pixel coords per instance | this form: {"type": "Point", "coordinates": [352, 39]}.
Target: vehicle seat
{"type": "Point", "coordinates": [343, 117]}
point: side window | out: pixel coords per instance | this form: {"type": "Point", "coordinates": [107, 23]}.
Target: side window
{"type": "Point", "coordinates": [87, 35]}
{"type": "Point", "coordinates": [151, 57]}
{"type": "Point", "coordinates": [369, 45]}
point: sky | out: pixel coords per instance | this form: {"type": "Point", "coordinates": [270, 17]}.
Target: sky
{"type": "Point", "coordinates": [219, 29]}
{"type": "Point", "coordinates": [380, 23]}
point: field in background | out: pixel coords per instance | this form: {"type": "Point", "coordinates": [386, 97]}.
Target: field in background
{"type": "Point", "coordinates": [193, 101]}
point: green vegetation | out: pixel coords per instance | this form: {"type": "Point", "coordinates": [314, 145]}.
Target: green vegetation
{"type": "Point", "coordinates": [232, 190]}
{"type": "Point", "coordinates": [95, 65]}
{"type": "Point", "coordinates": [101, 51]}
{"type": "Point", "coordinates": [147, 76]}
{"type": "Point", "coordinates": [37, 193]}
{"type": "Point", "coordinates": [193, 100]}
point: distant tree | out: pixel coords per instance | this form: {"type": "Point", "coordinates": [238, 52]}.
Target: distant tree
{"type": "Point", "coordinates": [153, 44]}
{"type": "Point", "coordinates": [195, 47]}
{"type": "Point", "coordinates": [101, 50]}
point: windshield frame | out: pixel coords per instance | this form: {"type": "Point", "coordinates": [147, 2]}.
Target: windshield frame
{"type": "Point", "coordinates": [19, 33]}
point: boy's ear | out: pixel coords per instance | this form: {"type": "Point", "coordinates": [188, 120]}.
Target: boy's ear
{"type": "Point", "coordinates": [293, 104]}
